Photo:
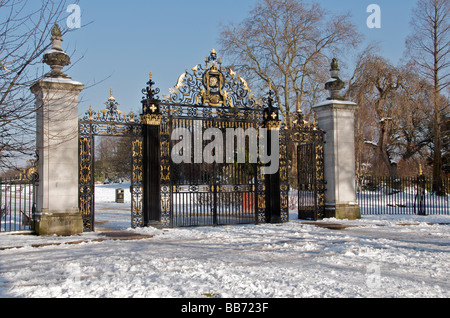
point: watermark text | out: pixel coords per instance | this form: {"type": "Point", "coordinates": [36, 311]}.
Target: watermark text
{"type": "Point", "coordinates": [235, 145]}
{"type": "Point", "coordinates": [74, 19]}
{"type": "Point", "coordinates": [374, 19]}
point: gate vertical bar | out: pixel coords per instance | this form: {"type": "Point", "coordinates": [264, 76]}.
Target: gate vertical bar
{"type": "Point", "coordinates": [151, 120]}
{"type": "Point", "coordinates": [215, 189]}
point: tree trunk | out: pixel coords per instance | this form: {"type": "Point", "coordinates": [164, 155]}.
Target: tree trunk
{"type": "Point", "coordinates": [437, 163]}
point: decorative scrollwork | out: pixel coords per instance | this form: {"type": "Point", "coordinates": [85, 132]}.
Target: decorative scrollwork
{"type": "Point", "coordinates": [150, 92]}
{"type": "Point", "coordinates": [137, 194]}
{"type": "Point", "coordinates": [29, 175]}
{"type": "Point", "coordinates": [212, 85]}
{"type": "Point", "coordinates": [111, 114]}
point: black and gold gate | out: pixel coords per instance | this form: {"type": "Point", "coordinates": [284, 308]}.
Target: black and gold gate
{"type": "Point", "coordinates": [302, 149]}
{"type": "Point", "coordinates": [108, 122]}
{"type": "Point", "coordinates": [197, 155]}
{"type": "Point", "coordinates": [203, 170]}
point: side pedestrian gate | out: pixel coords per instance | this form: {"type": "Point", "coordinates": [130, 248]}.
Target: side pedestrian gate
{"type": "Point", "coordinates": [108, 122]}
{"type": "Point", "coordinates": [304, 144]}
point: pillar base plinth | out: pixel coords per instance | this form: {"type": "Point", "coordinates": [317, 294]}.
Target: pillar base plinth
{"type": "Point", "coordinates": [343, 211]}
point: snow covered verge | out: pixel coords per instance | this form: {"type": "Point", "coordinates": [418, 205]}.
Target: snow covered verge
{"type": "Point", "coordinates": [378, 256]}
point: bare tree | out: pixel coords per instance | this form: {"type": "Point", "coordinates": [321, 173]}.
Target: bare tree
{"type": "Point", "coordinates": [285, 43]}
{"type": "Point", "coordinates": [24, 37]}
{"type": "Point", "coordinates": [375, 83]}
{"type": "Point", "coordinates": [429, 46]}
{"type": "Point", "coordinates": [392, 115]}
{"type": "Point", "coordinates": [113, 157]}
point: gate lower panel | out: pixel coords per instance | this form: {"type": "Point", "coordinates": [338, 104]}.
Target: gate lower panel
{"type": "Point", "coordinates": [203, 194]}
{"type": "Point", "coordinates": [210, 205]}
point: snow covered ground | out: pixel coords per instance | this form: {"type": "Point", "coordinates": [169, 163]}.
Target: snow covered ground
{"type": "Point", "coordinates": [378, 256]}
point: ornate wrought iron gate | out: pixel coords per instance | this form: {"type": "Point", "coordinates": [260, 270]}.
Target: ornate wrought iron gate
{"type": "Point", "coordinates": [185, 173]}
{"type": "Point", "coordinates": [198, 191]}
{"type": "Point", "coordinates": [306, 141]}
{"type": "Point", "coordinates": [108, 122]}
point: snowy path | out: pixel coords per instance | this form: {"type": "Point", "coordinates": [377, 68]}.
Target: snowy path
{"type": "Point", "coordinates": [290, 260]}
{"type": "Point", "coordinates": [380, 256]}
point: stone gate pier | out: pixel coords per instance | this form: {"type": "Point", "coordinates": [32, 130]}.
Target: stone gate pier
{"type": "Point", "coordinates": [57, 144]}
{"type": "Point", "coordinates": [336, 117]}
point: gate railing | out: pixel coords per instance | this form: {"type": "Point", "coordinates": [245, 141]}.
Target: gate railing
{"type": "Point", "coordinates": [406, 195]}
{"type": "Point", "coordinates": [18, 202]}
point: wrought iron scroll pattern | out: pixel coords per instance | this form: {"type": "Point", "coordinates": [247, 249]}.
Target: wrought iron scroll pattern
{"type": "Point", "coordinates": [86, 182]}
{"type": "Point", "coordinates": [284, 182]}
{"type": "Point", "coordinates": [213, 85]}
{"type": "Point", "coordinates": [137, 217]}
{"type": "Point", "coordinates": [166, 191]}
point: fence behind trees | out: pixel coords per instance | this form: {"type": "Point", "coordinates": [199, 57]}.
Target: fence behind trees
{"type": "Point", "coordinates": [407, 195]}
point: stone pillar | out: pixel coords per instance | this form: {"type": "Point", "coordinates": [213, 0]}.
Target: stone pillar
{"type": "Point", "coordinates": [337, 118]}
{"type": "Point", "coordinates": [57, 144]}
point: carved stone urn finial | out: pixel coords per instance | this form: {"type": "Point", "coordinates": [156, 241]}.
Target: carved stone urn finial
{"type": "Point", "coordinates": [334, 84]}
{"type": "Point", "coordinates": [56, 58]}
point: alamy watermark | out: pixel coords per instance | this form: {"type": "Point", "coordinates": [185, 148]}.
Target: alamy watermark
{"type": "Point", "coordinates": [74, 276]}
{"type": "Point", "coordinates": [374, 19]}
{"type": "Point", "coordinates": [230, 146]}
{"type": "Point", "coordinates": [373, 278]}
{"type": "Point", "coordinates": [74, 19]}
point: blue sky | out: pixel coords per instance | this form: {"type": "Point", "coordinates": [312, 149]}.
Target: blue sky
{"type": "Point", "coordinates": [125, 40]}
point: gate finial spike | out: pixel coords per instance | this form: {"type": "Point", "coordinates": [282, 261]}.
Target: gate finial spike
{"type": "Point", "coordinates": [111, 94]}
